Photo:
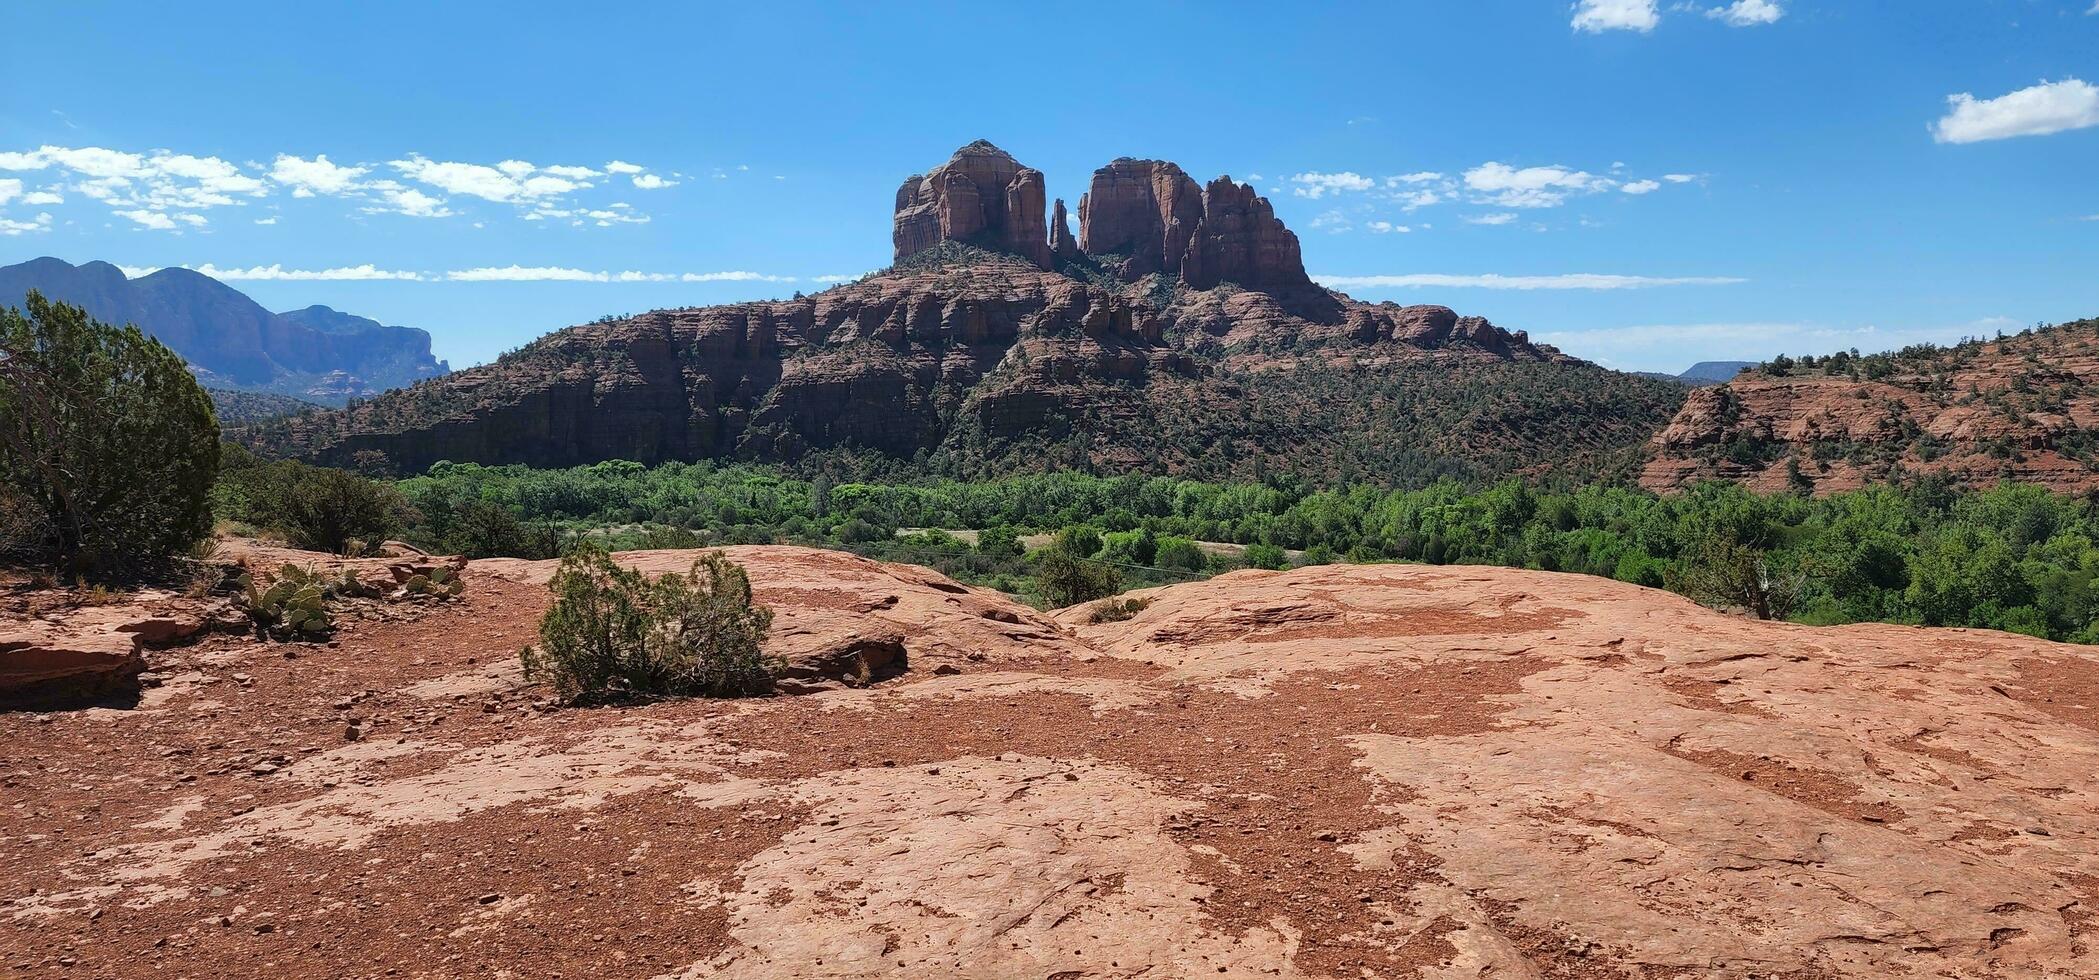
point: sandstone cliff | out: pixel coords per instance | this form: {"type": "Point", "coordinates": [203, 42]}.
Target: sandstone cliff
{"type": "Point", "coordinates": [2021, 408]}
{"type": "Point", "coordinates": [1201, 347]}
{"type": "Point", "coordinates": [981, 196]}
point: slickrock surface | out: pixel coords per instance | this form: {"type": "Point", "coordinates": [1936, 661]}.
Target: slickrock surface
{"type": "Point", "coordinates": [1371, 771]}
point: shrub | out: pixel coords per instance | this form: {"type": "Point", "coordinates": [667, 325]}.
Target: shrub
{"type": "Point", "coordinates": [1067, 580]}
{"type": "Point", "coordinates": [318, 508]}
{"type": "Point", "coordinates": [1000, 541]}
{"type": "Point", "coordinates": [614, 633]}
{"type": "Point", "coordinates": [1117, 610]}
{"type": "Point", "coordinates": [1724, 574]}
{"type": "Point", "coordinates": [108, 446]}
{"type": "Point", "coordinates": [1266, 556]}
{"type": "Point", "coordinates": [1181, 553]}
{"type": "Point", "coordinates": [484, 530]}
{"type": "Point", "coordinates": [1079, 541]}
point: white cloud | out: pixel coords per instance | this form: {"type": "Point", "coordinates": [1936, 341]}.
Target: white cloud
{"type": "Point", "coordinates": [1423, 177]}
{"type": "Point", "coordinates": [396, 199]}
{"type": "Point", "coordinates": [151, 219]}
{"type": "Point", "coordinates": [1502, 218]}
{"type": "Point", "coordinates": [1582, 280]}
{"type": "Point", "coordinates": [622, 167]}
{"type": "Point", "coordinates": [1315, 185]}
{"type": "Point", "coordinates": [315, 176]}
{"type": "Point", "coordinates": [1596, 16]}
{"type": "Point", "coordinates": [43, 197]}
{"type": "Point", "coordinates": [2050, 107]}
{"type": "Point", "coordinates": [364, 272]}
{"type": "Point", "coordinates": [574, 173]}
{"type": "Point", "coordinates": [1679, 178]}
{"type": "Point", "coordinates": [1641, 187]}
{"type": "Point", "coordinates": [1748, 13]}
{"type": "Point", "coordinates": [271, 220]}
{"type": "Point", "coordinates": [10, 189]}
{"type": "Point", "coordinates": [515, 273]}
{"type": "Point", "coordinates": [836, 277]}
{"type": "Point", "coordinates": [1387, 228]}
{"type": "Point", "coordinates": [1530, 187]}
{"type": "Point", "coordinates": [651, 182]}
{"type": "Point", "coordinates": [1333, 222]}
{"type": "Point", "coordinates": [10, 227]}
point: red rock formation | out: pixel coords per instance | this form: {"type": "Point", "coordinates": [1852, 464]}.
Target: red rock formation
{"type": "Point", "coordinates": [1062, 245]}
{"type": "Point", "coordinates": [2013, 409]}
{"type": "Point", "coordinates": [1142, 214]}
{"type": "Point", "coordinates": [1241, 241]}
{"type": "Point", "coordinates": [1146, 216]}
{"type": "Point", "coordinates": [981, 196]}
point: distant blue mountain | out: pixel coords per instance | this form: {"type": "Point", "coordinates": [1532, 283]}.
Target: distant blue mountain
{"type": "Point", "coordinates": [229, 340]}
{"type": "Point", "coordinates": [1713, 372]}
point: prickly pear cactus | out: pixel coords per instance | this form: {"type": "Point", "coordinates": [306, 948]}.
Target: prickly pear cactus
{"type": "Point", "coordinates": [292, 606]}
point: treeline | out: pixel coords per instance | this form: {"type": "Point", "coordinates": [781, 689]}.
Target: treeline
{"type": "Point", "coordinates": [2015, 557]}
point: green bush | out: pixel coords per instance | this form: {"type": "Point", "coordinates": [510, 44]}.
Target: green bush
{"type": "Point", "coordinates": [1067, 580]}
{"type": "Point", "coordinates": [1181, 553]}
{"type": "Point", "coordinates": [1266, 556]}
{"type": "Point", "coordinates": [1079, 541]}
{"type": "Point", "coordinates": [613, 633]}
{"type": "Point", "coordinates": [108, 446]}
{"type": "Point", "coordinates": [318, 508]}
{"type": "Point", "coordinates": [484, 530]}
{"type": "Point", "coordinates": [1000, 541]}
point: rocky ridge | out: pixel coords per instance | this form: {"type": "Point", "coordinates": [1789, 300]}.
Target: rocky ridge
{"type": "Point", "coordinates": [2022, 408]}
{"type": "Point", "coordinates": [1338, 771]}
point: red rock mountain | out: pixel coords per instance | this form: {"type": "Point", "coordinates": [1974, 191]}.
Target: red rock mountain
{"type": "Point", "coordinates": [1178, 333]}
{"type": "Point", "coordinates": [2022, 408]}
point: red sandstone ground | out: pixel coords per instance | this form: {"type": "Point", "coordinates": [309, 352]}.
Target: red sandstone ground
{"type": "Point", "coordinates": [1346, 771]}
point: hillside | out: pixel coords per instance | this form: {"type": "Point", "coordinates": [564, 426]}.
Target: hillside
{"type": "Point", "coordinates": [229, 340]}
{"type": "Point", "coordinates": [236, 408]}
{"type": "Point", "coordinates": [2023, 408]}
{"type": "Point", "coordinates": [1177, 333]}
{"type": "Point", "coordinates": [1344, 771]}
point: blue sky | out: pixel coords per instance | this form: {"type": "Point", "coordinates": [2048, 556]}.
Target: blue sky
{"type": "Point", "coordinates": [1669, 181]}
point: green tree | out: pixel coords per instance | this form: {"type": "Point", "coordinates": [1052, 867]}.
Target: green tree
{"type": "Point", "coordinates": [1067, 580]}
{"type": "Point", "coordinates": [325, 509]}
{"type": "Point", "coordinates": [108, 446]}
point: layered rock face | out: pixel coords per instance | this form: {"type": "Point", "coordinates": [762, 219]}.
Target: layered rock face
{"type": "Point", "coordinates": [1138, 215]}
{"type": "Point", "coordinates": [882, 364]}
{"type": "Point", "coordinates": [981, 196]}
{"type": "Point", "coordinates": [2022, 408]}
{"type": "Point", "coordinates": [1146, 216]}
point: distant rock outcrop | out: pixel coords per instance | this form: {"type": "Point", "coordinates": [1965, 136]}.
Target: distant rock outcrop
{"type": "Point", "coordinates": [231, 341]}
{"type": "Point", "coordinates": [2022, 408]}
{"type": "Point", "coordinates": [981, 196]}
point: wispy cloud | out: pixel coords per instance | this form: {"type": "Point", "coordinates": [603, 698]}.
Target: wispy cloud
{"type": "Point", "coordinates": [1530, 187]}
{"type": "Point", "coordinates": [1502, 218]}
{"type": "Point", "coordinates": [10, 227]}
{"type": "Point", "coordinates": [1315, 185]}
{"type": "Point", "coordinates": [1748, 13]}
{"type": "Point", "coordinates": [517, 273]}
{"type": "Point", "coordinates": [2050, 107]}
{"type": "Point", "coordinates": [1578, 280]}
{"type": "Point", "coordinates": [1597, 16]}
